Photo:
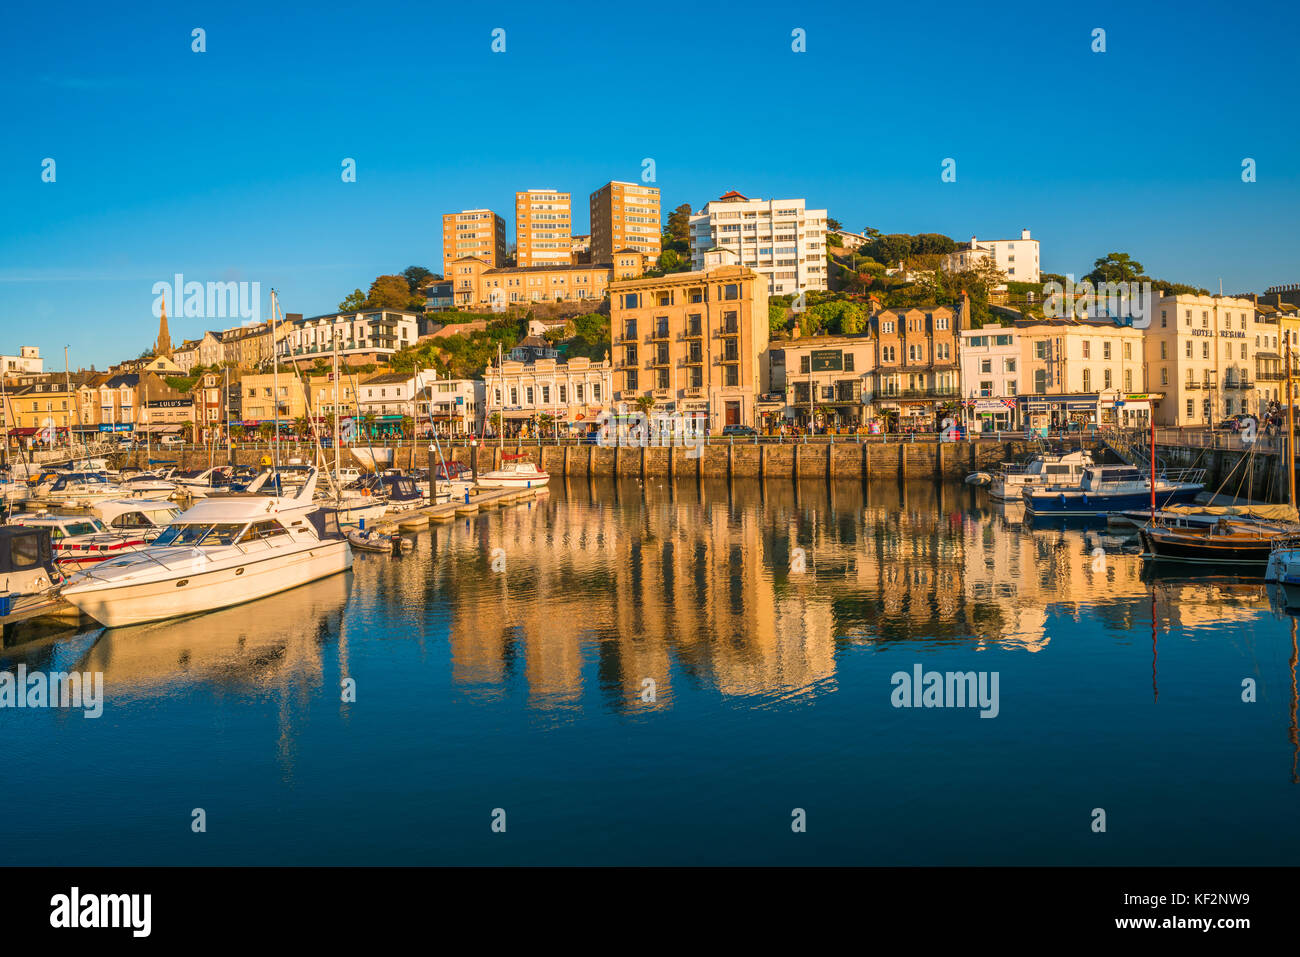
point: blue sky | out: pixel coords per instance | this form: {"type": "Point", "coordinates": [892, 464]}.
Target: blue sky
{"type": "Point", "coordinates": [226, 164]}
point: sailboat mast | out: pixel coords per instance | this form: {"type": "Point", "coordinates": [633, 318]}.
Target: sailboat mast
{"type": "Point", "coordinates": [275, 388]}
{"type": "Point", "coordinates": [335, 341]}
{"type": "Point", "coordinates": [1290, 432]}
{"type": "Point", "coordinates": [1151, 414]}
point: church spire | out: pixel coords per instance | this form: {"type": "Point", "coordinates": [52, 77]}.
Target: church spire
{"type": "Point", "coordinates": [163, 347]}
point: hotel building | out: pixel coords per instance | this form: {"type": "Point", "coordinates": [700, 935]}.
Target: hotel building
{"type": "Point", "coordinates": [777, 238]}
{"type": "Point", "coordinates": [480, 233]}
{"type": "Point", "coordinates": [625, 216]}
{"type": "Point", "coordinates": [543, 228]}
{"type": "Point", "coordinates": [693, 341]}
{"type": "Point", "coordinates": [1212, 357]}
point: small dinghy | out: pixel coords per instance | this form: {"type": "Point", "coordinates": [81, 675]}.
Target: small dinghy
{"type": "Point", "coordinates": [388, 544]}
{"type": "Point", "coordinates": [979, 478]}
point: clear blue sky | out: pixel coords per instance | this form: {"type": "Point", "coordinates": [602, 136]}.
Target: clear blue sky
{"type": "Point", "coordinates": [226, 164]}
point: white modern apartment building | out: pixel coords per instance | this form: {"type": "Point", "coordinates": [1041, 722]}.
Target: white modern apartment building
{"type": "Point", "coordinates": [1018, 258]}
{"type": "Point", "coordinates": [991, 376]}
{"type": "Point", "coordinates": [28, 360]}
{"type": "Point", "coordinates": [780, 239]}
{"type": "Point", "coordinates": [361, 336]}
{"type": "Point", "coordinates": [543, 228]}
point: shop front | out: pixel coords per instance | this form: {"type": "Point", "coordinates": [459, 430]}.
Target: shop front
{"type": "Point", "coordinates": [1058, 413]}
{"type": "Point", "coordinates": [1127, 410]}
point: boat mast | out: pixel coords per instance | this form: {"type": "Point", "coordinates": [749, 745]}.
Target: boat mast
{"type": "Point", "coordinates": [1151, 414]}
{"type": "Point", "coordinates": [501, 425]}
{"type": "Point", "coordinates": [338, 486]}
{"type": "Point", "coordinates": [275, 388]}
{"type": "Point", "coordinates": [1290, 432]}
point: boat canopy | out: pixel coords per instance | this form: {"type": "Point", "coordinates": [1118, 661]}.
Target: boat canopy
{"type": "Point", "coordinates": [1273, 513]}
{"type": "Point", "coordinates": [24, 547]}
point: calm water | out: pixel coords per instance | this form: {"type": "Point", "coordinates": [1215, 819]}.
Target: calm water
{"type": "Point", "coordinates": [521, 689]}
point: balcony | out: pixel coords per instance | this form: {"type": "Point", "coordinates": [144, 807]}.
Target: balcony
{"type": "Point", "coordinates": [1270, 376]}
{"type": "Point", "coordinates": [1193, 386]}
{"type": "Point", "coordinates": [1237, 383]}
{"type": "Point", "coordinates": [659, 335]}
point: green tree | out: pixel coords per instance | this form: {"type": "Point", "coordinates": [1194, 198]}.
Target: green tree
{"type": "Point", "coordinates": [355, 302]}
{"type": "Point", "coordinates": [1115, 267]}
{"type": "Point", "coordinates": [777, 317]}
{"type": "Point", "coordinates": [679, 223]}
{"type": "Point", "coordinates": [415, 277]}
{"type": "Point", "coordinates": [389, 292]}
{"type": "Point", "coordinates": [645, 403]}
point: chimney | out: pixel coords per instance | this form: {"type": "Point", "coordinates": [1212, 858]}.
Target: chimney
{"type": "Point", "coordinates": [963, 321]}
{"type": "Point", "coordinates": [972, 242]}
{"type": "Point", "coordinates": [1024, 234]}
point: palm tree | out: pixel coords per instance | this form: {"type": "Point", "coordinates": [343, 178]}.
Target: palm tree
{"type": "Point", "coordinates": [544, 420]}
{"type": "Point", "coordinates": [645, 403]}
{"type": "Point", "coordinates": [368, 423]}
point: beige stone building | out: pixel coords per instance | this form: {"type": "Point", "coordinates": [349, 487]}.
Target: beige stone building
{"type": "Point", "coordinates": [625, 216]}
{"type": "Point", "coordinates": [543, 228]}
{"type": "Point", "coordinates": [480, 233]}
{"type": "Point", "coordinates": [693, 341]}
{"type": "Point", "coordinates": [827, 380]}
{"type": "Point", "coordinates": [1205, 354]}
{"type": "Point", "coordinates": [571, 393]}
{"type": "Point", "coordinates": [475, 284]}
{"type": "Point", "coordinates": [1082, 372]}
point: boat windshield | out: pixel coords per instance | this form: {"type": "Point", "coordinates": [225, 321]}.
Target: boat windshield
{"type": "Point", "coordinates": [88, 527]}
{"type": "Point", "coordinates": [207, 534]}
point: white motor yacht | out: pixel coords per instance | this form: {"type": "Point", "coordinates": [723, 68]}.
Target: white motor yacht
{"type": "Point", "coordinates": [515, 472]}
{"type": "Point", "coordinates": [1061, 468]}
{"type": "Point", "coordinates": [224, 551]}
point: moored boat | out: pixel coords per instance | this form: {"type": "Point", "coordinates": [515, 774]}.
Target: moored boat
{"type": "Point", "coordinates": [516, 472]}
{"type": "Point", "coordinates": [224, 551]}
{"type": "Point", "coordinates": [1114, 488]}
{"type": "Point", "coordinates": [1053, 468]}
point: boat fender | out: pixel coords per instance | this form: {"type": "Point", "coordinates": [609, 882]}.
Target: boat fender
{"type": "Point", "coordinates": [1062, 499]}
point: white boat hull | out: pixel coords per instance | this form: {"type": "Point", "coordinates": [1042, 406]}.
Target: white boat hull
{"type": "Point", "coordinates": [209, 588]}
{"type": "Point", "coordinates": [494, 480]}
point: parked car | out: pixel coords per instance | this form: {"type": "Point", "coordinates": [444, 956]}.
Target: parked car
{"type": "Point", "coordinates": [739, 430]}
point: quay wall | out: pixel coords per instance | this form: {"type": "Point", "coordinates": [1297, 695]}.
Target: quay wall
{"type": "Point", "coordinates": [818, 459]}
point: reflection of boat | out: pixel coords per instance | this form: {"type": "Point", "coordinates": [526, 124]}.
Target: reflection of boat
{"type": "Point", "coordinates": [1053, 468]}
{"type": "Point", "coordinates": [253, 643]}
{"type": "Point", "coordinates": [1284, 562]}
{"type": "Point", "coordinates": [516, 472]}
{"type": "Point", "coordinates": [1113, 488]}
{"type": "Point", "coordinates": [223, 551]}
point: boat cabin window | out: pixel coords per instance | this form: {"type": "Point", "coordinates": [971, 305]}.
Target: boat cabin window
{"type": "Point", "coordinates": [1058, 470]}
{"type": "Point", "coordinates": [90, 526]}
{"type": "Point", "coordinates": [209, 534]}
{"type": "Point", "coordinates": [131, 520]}
{"type": "Point", "coordinates": [24, 551]}
{"type": "Point", "coordinates": [266, 529]}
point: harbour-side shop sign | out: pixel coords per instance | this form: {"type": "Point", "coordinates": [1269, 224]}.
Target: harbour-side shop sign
{"type": "Point", "coordinates": [826, 360]}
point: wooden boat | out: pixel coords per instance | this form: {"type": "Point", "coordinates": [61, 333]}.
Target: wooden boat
{"type": "Point", "coordinates": [1226, 543]}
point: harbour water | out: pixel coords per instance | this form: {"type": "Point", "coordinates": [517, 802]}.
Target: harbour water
{"type": "Point", "coordinates": [662, 674]}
